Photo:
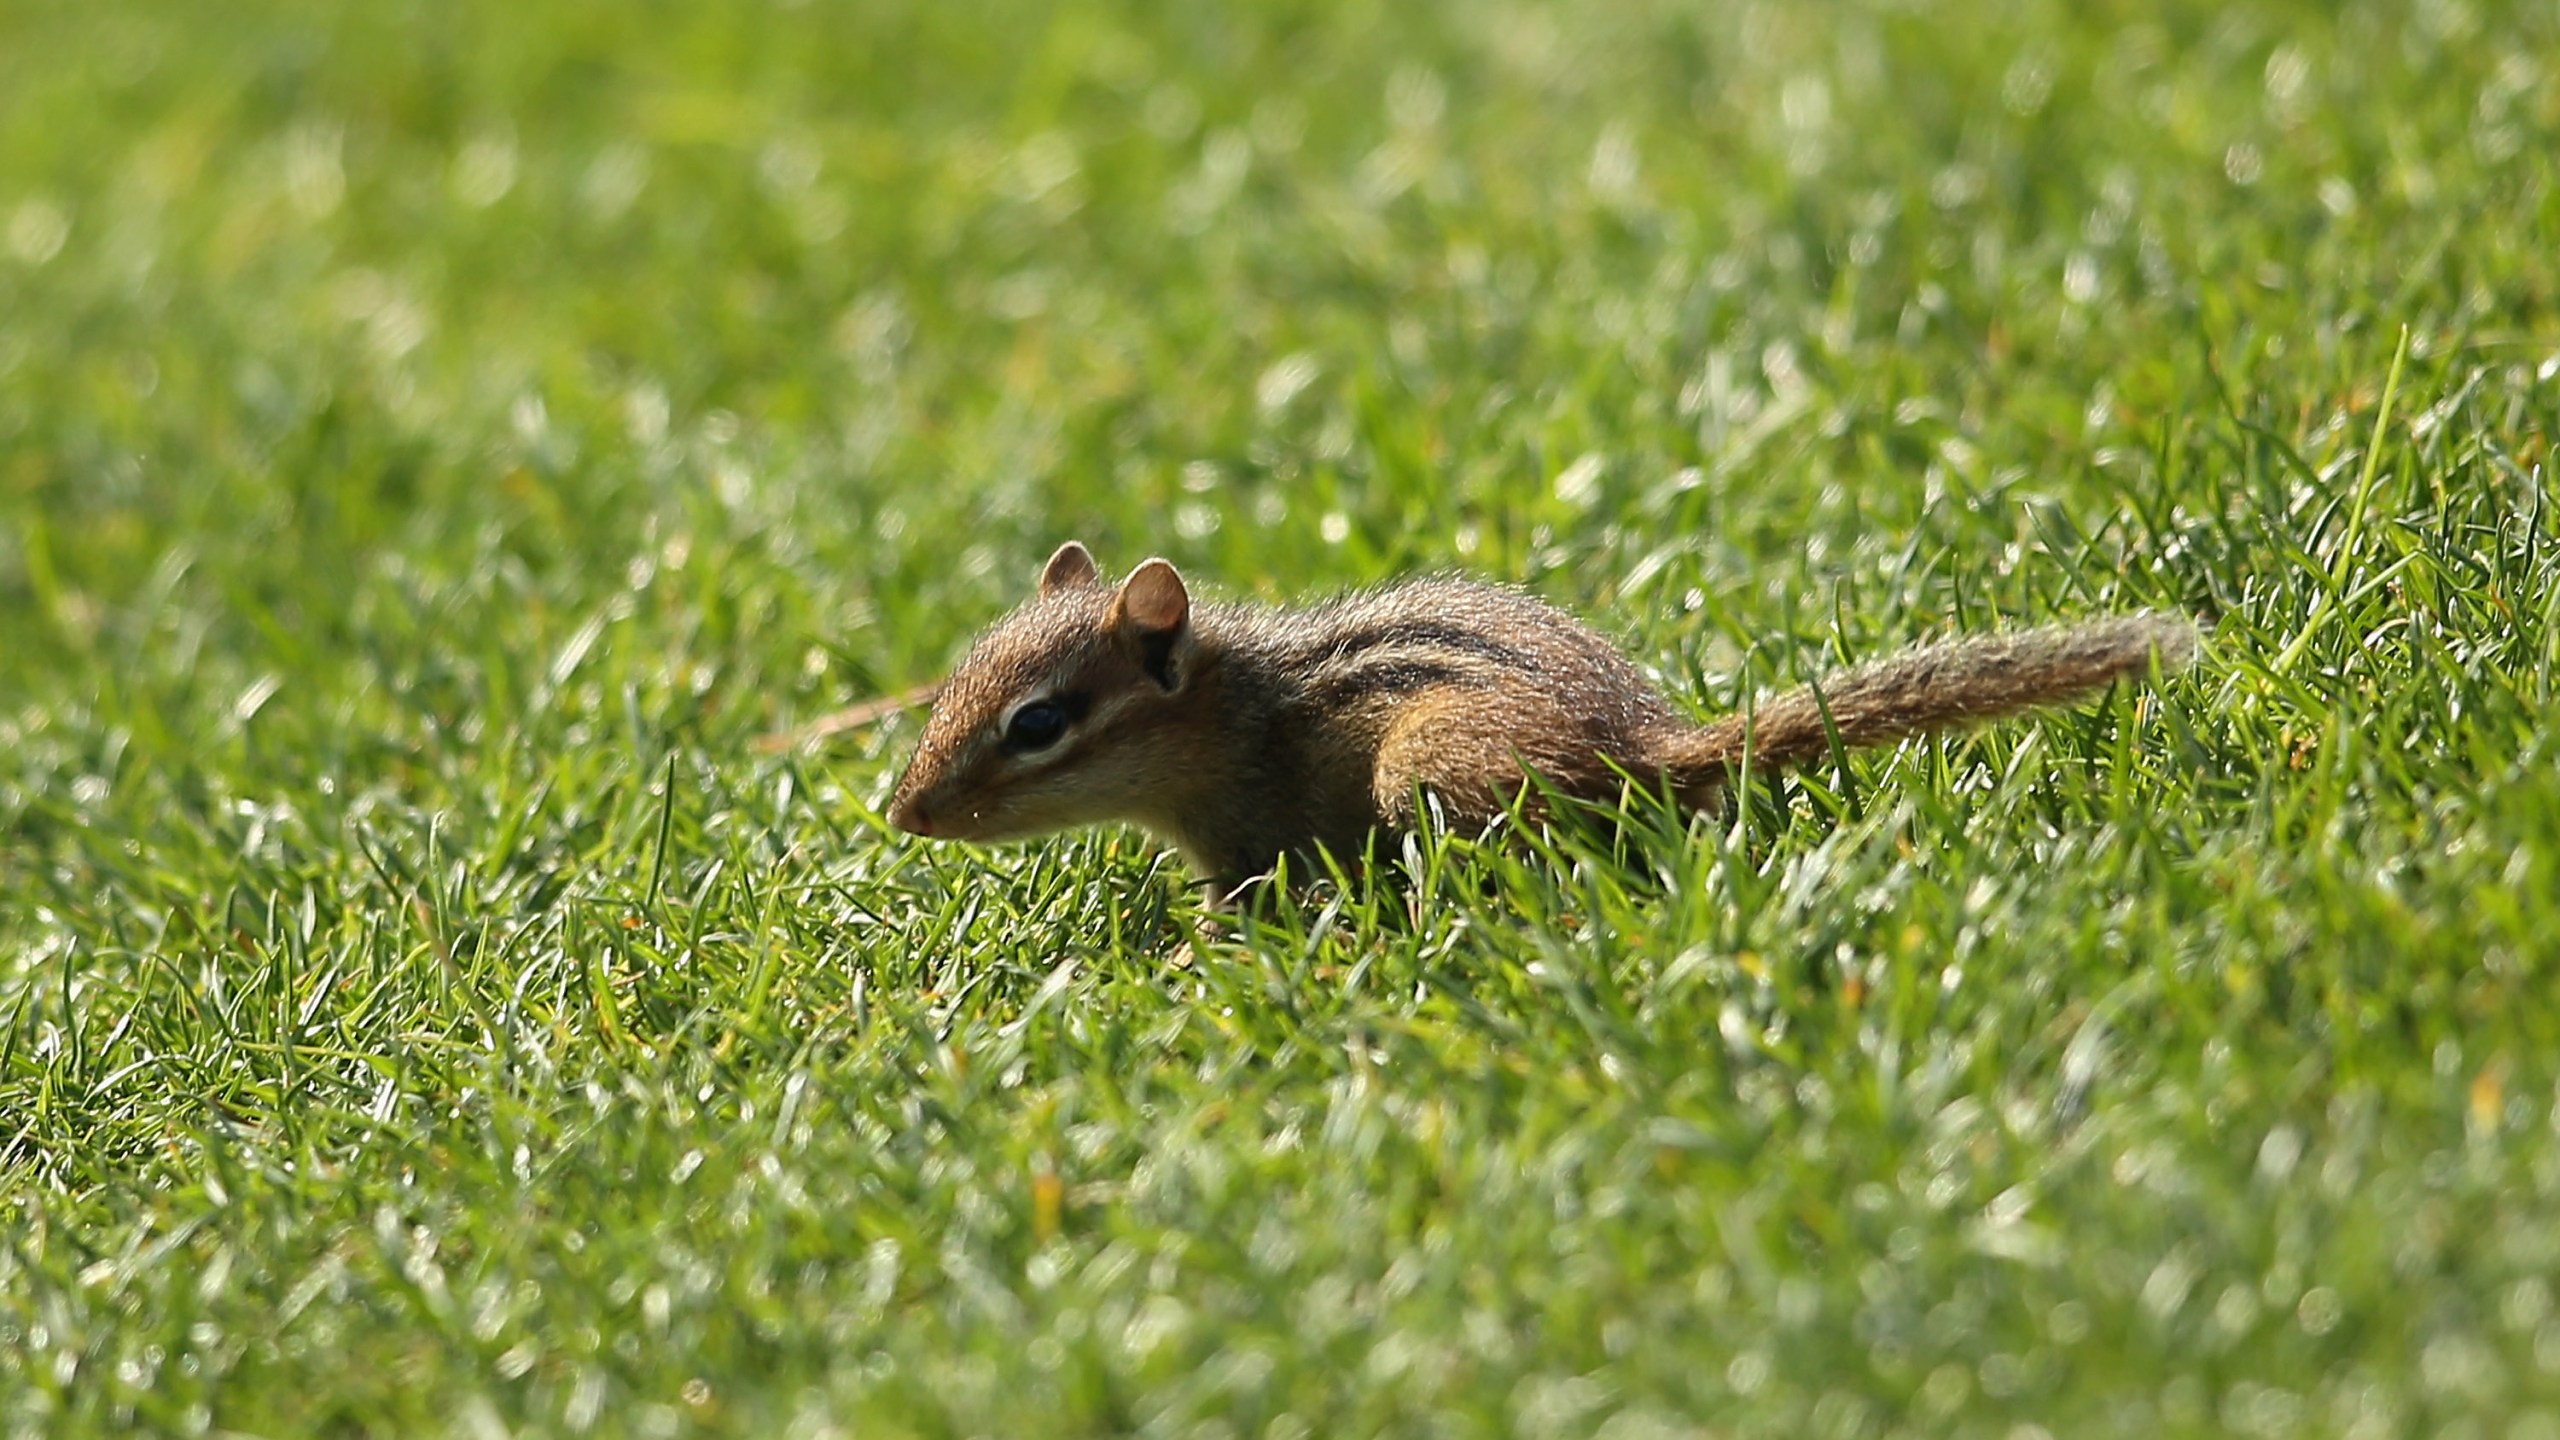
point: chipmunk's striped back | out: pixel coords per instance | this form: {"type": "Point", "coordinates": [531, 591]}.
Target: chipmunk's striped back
{"type": "Point", "coordinates": [1248, 734]}
{"type": "Point", "coordinates": [1388, 644]}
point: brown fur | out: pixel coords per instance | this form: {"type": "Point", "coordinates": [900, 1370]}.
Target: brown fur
{"type": "Point", "coordinates": [1246, 734]}
{"type": "Point", "coordinates": [1931, 687]}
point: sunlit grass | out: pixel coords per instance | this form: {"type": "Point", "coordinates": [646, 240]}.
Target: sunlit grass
{"type": "Point", "coordinates": [438, 442]}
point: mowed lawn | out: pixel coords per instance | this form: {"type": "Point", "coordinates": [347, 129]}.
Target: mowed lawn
{"type": "Point", "coordinates": [440, 441]}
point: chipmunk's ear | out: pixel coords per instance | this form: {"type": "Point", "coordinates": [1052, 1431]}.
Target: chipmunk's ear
{"type": "Point", "coordinates": [1152, 617]}
{"type": "Point", "coordinates": [1070, 567]}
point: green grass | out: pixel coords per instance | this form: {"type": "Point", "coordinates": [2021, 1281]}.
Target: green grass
{"type": "Point", "coordinates": [437, 440]}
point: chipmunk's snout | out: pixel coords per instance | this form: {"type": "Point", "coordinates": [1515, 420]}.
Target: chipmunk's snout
{"type": "Point", "coordinates": [909, 815]}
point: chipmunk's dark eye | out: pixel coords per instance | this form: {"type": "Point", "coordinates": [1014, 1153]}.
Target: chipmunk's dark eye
{"type": "Point", "coordinates": [1035, 726]}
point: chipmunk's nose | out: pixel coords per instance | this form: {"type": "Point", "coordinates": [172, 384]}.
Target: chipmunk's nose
{"type": "Point", "coordinates": [909, 815]}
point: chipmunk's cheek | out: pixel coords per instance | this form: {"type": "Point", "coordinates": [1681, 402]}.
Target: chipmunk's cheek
{"type": "Point", "coordinates": [956, 825]}
{"type": "Point", "coordinates": [1008, 818]}
{"type": "Point", "coordinates": [975, 822]}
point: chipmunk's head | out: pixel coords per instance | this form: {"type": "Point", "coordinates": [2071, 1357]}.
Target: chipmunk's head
{"type": "Point", "coordinates": [1066, 712]}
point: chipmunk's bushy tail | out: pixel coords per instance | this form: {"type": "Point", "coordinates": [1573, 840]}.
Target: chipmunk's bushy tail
{"type": "Point", "coordinates": [1933, 687]}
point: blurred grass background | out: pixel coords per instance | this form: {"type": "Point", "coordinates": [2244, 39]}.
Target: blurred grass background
{"type": "Point", "coordinates": [437, 440]}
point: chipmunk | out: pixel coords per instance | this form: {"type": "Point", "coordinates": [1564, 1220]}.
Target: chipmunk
{"type": "Point", "coordinates": [1246, 734]}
